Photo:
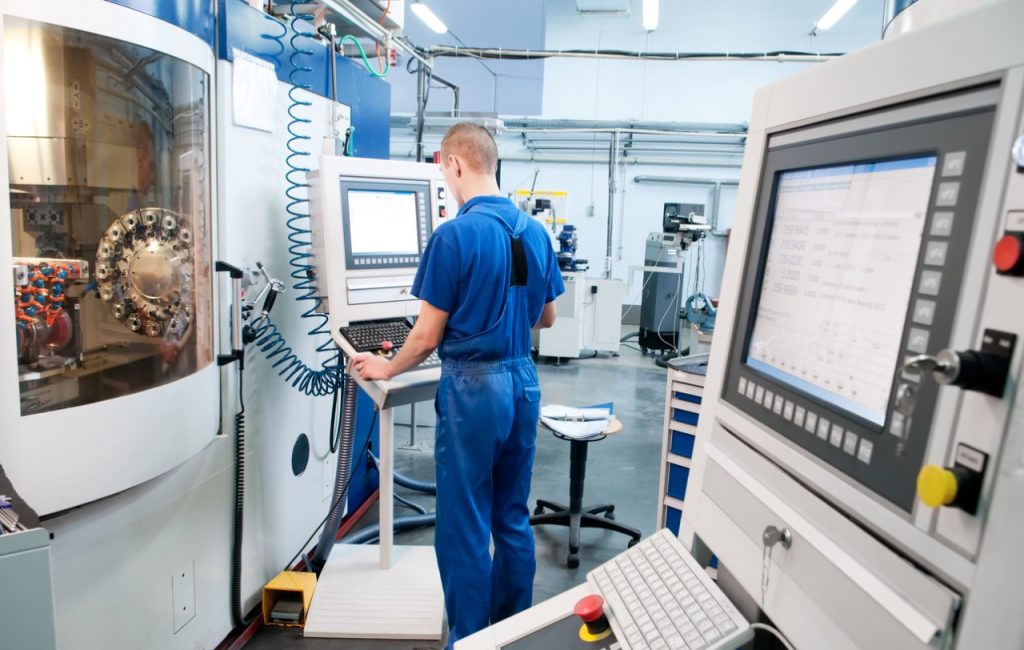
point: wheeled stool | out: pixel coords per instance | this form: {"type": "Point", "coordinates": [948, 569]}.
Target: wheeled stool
{"type": "Point", "coordinates": [575, 516]}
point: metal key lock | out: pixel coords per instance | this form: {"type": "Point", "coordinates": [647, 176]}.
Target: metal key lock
{"type": "Point", "coordinates": [770, 538]}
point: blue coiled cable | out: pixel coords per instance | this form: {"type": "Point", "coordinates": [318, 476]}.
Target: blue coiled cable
{"type": "Point", "coordinates": [309, 380]}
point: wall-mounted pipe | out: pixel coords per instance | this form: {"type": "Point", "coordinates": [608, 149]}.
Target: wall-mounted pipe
{"type": "Point", "coordinates": [455, 93]}
{"type": "Point", "coordinates": [516, 123]}
{"type": "Point", "coordinates": [410, 154]}
{"type": "Point", "coordinates": [613, 166]}
{"type": "Point", "coordinates": [777, 56]}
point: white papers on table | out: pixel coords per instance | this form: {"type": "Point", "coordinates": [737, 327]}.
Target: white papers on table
{"type": "Point", "coordinates": [561, 412]}
{"type": "Point", "coordinates": [576, 429]}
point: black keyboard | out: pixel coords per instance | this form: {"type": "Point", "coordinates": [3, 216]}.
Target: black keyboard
{"type": "Point", "coordinates": [370, 337]}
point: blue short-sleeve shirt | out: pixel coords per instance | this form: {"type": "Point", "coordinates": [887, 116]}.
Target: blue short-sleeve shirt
{"type": "Point", "coordinates": [467, 264]}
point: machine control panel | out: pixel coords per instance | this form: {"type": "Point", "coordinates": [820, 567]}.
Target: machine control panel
{"type": "Point", "coordinates": [856, 252]}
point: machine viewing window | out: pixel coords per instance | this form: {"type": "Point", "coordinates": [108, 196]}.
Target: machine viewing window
{"type": "Point", "coordinates": [108, 148]}
{"type": "Point", "coordinates": [840, 266]}
{"type": "Point", "coordinates": [383, 222]}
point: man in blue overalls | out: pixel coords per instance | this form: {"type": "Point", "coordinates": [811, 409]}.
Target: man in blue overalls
{"type": "Point", "coordinates": [485, 279]}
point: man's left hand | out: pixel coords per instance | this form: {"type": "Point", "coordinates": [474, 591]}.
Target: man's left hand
{"type": "Point", "coordinates": [372, 367]}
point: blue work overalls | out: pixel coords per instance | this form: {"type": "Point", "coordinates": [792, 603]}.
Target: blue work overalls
{"type": "Point", "coordinates": [488, 404]}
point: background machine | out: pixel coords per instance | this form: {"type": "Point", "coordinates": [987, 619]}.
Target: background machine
{"type": "Point", "coordinates": [860, 477]}
{"type": "Point", "coordinates": [371, 222]}
{"type": "Point", "coordinates": [683, 224]}
{"type": "Point", "coordinates": [589, 312]}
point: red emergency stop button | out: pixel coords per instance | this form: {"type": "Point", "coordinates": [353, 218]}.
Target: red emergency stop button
{"type": "Point", "coordinates": [595, 623]}
{"type": "Point", "coordinates": [590, 608]}
{"type": "Point", "coordinates": [1008, 255]}
{"type": "Point", "coordinates": [387, 346]}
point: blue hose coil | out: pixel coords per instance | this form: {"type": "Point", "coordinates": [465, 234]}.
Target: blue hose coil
{"type": "Point", "coordinates": [311, 381]}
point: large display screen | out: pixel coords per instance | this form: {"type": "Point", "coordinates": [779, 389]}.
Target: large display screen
{"type": "Point", "coordinates": [383, 222]}
{"type": "Point", "coordinates": [837, 279]}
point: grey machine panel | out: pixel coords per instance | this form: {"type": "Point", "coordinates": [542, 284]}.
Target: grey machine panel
{"type": "Point", "coordinates": [27, 597]}
{"type": "Point", "coordinates": [883, 456]}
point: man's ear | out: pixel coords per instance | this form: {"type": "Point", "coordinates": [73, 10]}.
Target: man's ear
{"type": "Point", "coordinates": [455, 165]}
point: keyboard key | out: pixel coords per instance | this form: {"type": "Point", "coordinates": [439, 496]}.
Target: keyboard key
{"type": "Point", "coordinates": [712, 635]}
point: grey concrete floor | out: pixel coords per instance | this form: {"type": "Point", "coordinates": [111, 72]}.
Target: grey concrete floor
{"type": "Point", "coordinates": [622, 469]}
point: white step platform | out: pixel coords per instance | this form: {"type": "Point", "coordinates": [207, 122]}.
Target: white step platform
{"type": "Point", "coordinates": [356, 599]}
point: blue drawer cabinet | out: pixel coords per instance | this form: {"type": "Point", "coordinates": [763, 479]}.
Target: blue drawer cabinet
{"type": "Point", "coordinates": [683, 396]}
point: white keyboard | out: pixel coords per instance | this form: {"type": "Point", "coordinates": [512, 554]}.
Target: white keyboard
{"type": "Point", "coordinates": [660, 598]}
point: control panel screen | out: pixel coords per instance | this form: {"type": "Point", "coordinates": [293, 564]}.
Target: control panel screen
{"type": "Point", "coordinates": [837, 280]}
{"type": "Point", "coordinates": [383, 222]}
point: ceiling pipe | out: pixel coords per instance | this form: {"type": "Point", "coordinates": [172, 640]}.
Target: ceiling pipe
{"type": "Point", "coordinates": [775, 56]}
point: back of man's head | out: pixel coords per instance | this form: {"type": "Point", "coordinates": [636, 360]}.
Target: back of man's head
{"type": "Point", "coordinates": [474, 145]}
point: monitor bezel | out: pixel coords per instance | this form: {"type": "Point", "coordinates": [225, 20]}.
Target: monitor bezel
{"type": "Point", "coordinates": [365, 261]}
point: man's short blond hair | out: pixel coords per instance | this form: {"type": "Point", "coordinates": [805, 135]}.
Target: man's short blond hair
{"type": "Point", "coordinates": [474, 144]}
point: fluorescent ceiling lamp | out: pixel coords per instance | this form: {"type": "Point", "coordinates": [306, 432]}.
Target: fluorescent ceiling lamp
{"type": "Point", "coordinates": [428, 17]}
{"type": "Point", "coordinates": [650, 14]}
{"type": "Point", "coordinates": [833, 15]}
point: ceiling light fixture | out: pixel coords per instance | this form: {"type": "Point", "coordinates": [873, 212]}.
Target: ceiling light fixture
{"type": "Point", "coordinates": [429, 18]}
{"type": "Point", "coordinates": [833, 15]}
{"type": "Point", "coordinates": [650, 15]}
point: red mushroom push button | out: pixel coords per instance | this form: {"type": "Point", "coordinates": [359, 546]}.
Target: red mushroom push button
{"type": "Point", "coordinates": [595, 623]}
{"type": "Point", "coordinates": [386, 348]}
{"type": "Point", "coordinates": [1008, 255]}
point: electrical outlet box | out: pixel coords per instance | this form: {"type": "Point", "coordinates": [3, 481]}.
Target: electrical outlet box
{"type": "Point", "coordinates": [183, 595]}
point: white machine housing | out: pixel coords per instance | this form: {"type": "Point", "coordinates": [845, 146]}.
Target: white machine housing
{"type": "Point", "coordinates": [382, 288]}
{"type": "Point", "coordinates": [869, 564]}
{"type": "Point", "coordinates": [589, 317]}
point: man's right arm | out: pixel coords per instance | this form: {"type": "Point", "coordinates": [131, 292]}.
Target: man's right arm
{"type": "Point", "coordinates": [547, 317]}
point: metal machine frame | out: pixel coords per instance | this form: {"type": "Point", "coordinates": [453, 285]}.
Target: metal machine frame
{"type": "Point", "coordinates": [864, 569]}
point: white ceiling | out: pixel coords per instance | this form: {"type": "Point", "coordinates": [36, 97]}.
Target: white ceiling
{"type": "Point", "coordinates": [510, 87]}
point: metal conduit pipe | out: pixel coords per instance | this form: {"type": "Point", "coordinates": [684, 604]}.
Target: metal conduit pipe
{"type": "Point", "coordinates": [517, 123]}
{"type": "Point", "coordinates": [613, 165]}
{"type": "Point", "coordinates": [343, 471]}
{"type": "Point", "coordinates": [777, 56]}
{"type": "Point", "coordinates": [421, 108]}
{"type": "Point", "coordinates": [598, 160]}
{"type": "Point", "coordinates": [455, 93]}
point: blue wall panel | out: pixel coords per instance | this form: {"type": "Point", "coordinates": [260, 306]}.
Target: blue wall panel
{"type": "Point", "coordinates": [194, 16]}
{"type": "Point", "coordinates": [243, 28]}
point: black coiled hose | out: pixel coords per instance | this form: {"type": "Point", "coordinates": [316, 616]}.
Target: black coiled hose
{"type": "Point", "coordinates": [236, 542]}
{"type": "Point", "coordinates": [346, 441]}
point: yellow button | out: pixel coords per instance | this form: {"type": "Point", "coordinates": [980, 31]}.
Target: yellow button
{"type": "Point", "coordinates": [936, 486]}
